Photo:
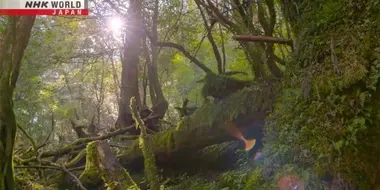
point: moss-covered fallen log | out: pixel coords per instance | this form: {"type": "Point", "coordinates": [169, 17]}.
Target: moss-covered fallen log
{"type": "Point", "coordinates": [203, 128]}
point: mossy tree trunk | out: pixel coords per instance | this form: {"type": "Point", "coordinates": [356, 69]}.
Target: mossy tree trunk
{"type": "Point", "coordinates": [330, 102]}
{"type": "Point", "coordinates": [12, 46]}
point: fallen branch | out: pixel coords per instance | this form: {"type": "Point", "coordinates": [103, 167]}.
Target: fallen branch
{"type": "Point", "coordinates": [263, 39]}
{"type": "Point", "coordinates": [80, 143]}
{"type": "Point", "coordinates": [39, 167]}
{"type": "Point", "coordinates": [203, 128]}
{"type": "Point", "coordinates": [48, 167]}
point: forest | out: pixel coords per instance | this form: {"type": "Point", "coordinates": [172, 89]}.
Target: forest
{"type": "Point", "coordinates": [198, 95]}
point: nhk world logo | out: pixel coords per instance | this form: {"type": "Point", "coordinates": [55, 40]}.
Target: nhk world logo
{"type": "Point", "coordinates": [47, 7]}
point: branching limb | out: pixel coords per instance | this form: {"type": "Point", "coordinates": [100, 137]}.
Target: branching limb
{"type": "Point", "coordinates": [211, 38]}
{"type": "Point", "coordinates": [218, 15]}
{"type": "Point", "coordinates": [185, 53]}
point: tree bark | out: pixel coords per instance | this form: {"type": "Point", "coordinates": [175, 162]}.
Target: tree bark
{"type": "Point", "coordinates": [129, 75]}
{"type": "Point", "coordinates": [12, 47]}
{"type": "Point", "coordinates": [159, 102]}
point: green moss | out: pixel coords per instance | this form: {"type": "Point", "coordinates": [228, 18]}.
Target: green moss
{"type": "Point", "coordinates": [329, 105]}
{"type": "Point", "coordinates": [149, 163]}
{"type": "Point", "coordinates": [77, 158]}
{"type": "Point", "coordinates": [146, 148]}
{"type": "Point", "coordinates": [24, 180]}
{"type": "Point", "coordinates": [180, 124]}
{"type": "Point", "coordinates": [212, 153]}
{"type": "Point", "coordinates": [256, 98]}
{"type": "Point", "coordinates": [208, 115]}
{"type": "Point", "coordinates": [90, 175]}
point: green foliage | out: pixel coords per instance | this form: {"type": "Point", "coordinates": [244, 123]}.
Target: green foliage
{"type": "Point", "coordinates": [232, 180]}
{"type": "Point", "coordinates": [255, 180]}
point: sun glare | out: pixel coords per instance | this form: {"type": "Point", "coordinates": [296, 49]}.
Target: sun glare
{"type": "Point", "coordinates": [115, 24]}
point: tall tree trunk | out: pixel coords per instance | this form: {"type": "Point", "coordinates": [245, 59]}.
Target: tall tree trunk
{"type": "Point", "coordinates": [12, 47]}
{"type": "Point", "coordinates": [129, 75]}
{"type": "Point", "coordinates": [160, 104]}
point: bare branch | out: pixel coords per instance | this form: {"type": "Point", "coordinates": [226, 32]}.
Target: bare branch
{"type": "Point", "coordinates": [263, 39]}
{"type": "Point", "coordinates": [211, 38]}
{"type": "Point", "coordinates": [49, 167]}
{"type": "Point", "coordinates": [218, 15]}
